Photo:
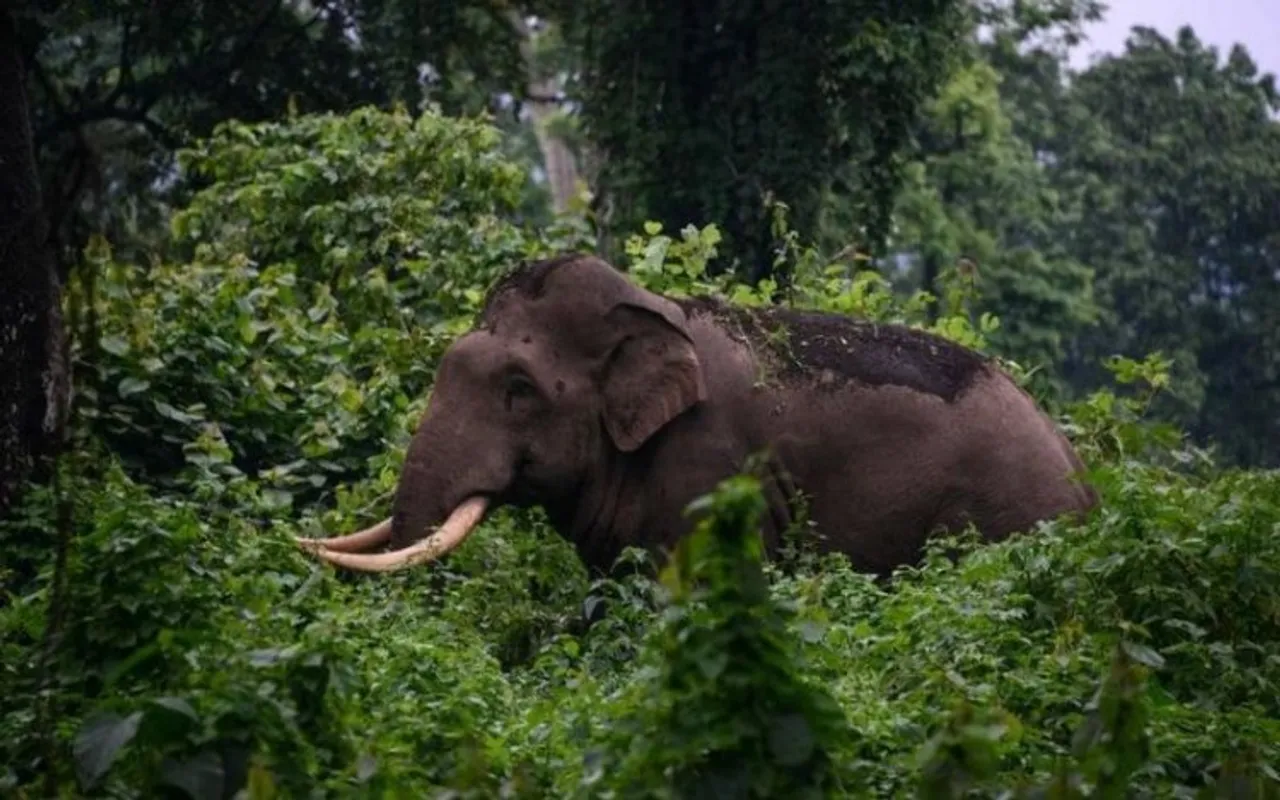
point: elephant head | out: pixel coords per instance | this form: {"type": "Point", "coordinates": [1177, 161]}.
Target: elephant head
{"type": "Point", "coordinates": [568, 365]}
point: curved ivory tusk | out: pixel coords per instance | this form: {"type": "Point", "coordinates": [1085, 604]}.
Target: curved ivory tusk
{"type": "Point", "coordinates": [451, 534]}
{"type": "Point", "coordinates": [352, 542]}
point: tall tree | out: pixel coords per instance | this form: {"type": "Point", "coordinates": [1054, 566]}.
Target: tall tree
{"type": "Point", "coordinates": [978, 197]}
{"type": "Point", "coordinates": [704, 108]}
{"type": "Point", "coordinates": [117, 86]}
{"type": "Point", "coordinates": [33, 386]}
{"type": "Point", "coordinates": [1178, 169]}
{"type": "Point", "coordinates": [543, 51]}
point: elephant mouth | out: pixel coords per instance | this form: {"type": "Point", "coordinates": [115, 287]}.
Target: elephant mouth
{"type": "Point", "coordinates": [344, 551]}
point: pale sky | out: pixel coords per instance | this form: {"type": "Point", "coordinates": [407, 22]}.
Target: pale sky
{"type": "Point", "coordinates": [1220, 23]}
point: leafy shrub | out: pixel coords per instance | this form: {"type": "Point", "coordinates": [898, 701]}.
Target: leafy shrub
{"type": "Point", "coordinates": [309, 682]}
{"type": "Point", "coordinates": [728, 710]}
{"type": "Point", "coordinates": [662, 263]}
{"type": "Point", "coordinates": [1017, 635]}
{"type": "Point", "coordinates": [331, 260]}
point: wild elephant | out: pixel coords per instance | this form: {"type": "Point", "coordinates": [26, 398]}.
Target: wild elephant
{"type": "Point", "coordinates": [613, 407]}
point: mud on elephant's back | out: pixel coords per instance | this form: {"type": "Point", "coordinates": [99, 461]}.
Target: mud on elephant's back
{"type": "Point", "coordinates": [831, 351]}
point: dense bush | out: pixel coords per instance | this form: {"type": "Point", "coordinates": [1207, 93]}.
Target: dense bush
{"type": "Point", "coordinates": [198, 651]}
{"type": "Point", "coordinates": [330, 261]}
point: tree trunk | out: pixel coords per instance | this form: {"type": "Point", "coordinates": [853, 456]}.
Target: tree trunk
{"type": "Point", "coordinates": [561, 166]}
{"type": "Point", "coordinates": [33, 375]}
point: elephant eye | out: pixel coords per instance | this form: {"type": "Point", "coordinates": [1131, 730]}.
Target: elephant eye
{"type": "Point", "coordinates": [518, 387]}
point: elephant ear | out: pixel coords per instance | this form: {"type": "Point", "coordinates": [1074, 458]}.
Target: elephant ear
{"type": "Point", "coordinates": [652, 374]}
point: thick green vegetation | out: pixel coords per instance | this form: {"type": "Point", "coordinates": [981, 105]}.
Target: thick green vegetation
{"type": "Point", "coordinates": [259, 384]}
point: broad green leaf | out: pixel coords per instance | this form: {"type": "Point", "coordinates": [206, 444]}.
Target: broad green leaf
{"type": "Point", "coordinates": [199, 777]}
{"type": "Point", "coordinates": [99, 743]}
{"type": "Point", "coordinates": [115, 345]}
{"type": "Point", "coordinates": [132, 386]}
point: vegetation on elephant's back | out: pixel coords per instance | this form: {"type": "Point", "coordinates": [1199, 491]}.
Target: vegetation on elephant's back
{"type": "Point", "coordinates": [200, 652]}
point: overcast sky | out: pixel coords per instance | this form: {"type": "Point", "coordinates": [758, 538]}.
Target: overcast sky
{"type": "Point", "coordinates": [1221, 23]}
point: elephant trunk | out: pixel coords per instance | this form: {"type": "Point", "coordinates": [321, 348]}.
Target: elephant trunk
{"type": "Point", "coordinates": [437, 482]}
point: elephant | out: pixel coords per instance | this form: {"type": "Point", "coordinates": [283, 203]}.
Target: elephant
{"type": "Point", "coordinates": [613, 408]}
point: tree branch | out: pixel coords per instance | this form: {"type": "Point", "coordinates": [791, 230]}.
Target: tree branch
{"type": "Point", "coordinates": [125, 68]}
{"type": "Point", "coordinates": [139, 98]}
{"type": "Point", "coordinates": [126, 63]}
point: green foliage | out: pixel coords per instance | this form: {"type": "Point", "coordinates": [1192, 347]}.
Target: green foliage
{"type": "Point", "coordinates": [197, 645]}
{"type": "Point", "coordinates": [331, 260]}
{"type": "Point", "coordinates": [727, 709]}
{"type": "Point", "coordinates": [682, 267]}
{"type": "Point", "coordinates": [117, 88]}
{"type": "Point", "coordinates": [708, 111]}
{"type": "Point", "coordinates": [1106, 426]}
{"type": "Point", "coordinates": [198, 652]}
{"type": "Point", "coordinates": [1197, 272]}
{"type": "Point", "coordinates": [978, 198]}
{"type": "Point", "coordinates": [1164, 160]}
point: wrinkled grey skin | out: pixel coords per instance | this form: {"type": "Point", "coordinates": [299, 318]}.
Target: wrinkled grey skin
{"type": "Point", "coordinates": [613, 407]}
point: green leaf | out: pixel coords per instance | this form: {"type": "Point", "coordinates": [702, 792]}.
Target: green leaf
{"type": "Point", "coordinates": [176, 705]}
{"type": "Point", "coordinates": [713, 663]}
{"type": "Point", "coordinates": [277, 499]}
{"type": "Point", "coordinates": [811, 631]}
{"type": "Point", "coordinates": [1142, 654]}
{"type": "Point", "coordinates": [115, 345]}
{"type": "Point", "coordinates": [169, 412]}
{"type": "Point", "coordinates": [131, 386]}
{"type": "Point", "coordinates": [201, 777]}
{"type": "Point", "coordinates": [248, 331]}
{"type": "Point", "coordinates": [166, 720]}
{"type": "Point", "coordinates": [99, 743]}
{"type": "Point", "coordinates": [268, 657]}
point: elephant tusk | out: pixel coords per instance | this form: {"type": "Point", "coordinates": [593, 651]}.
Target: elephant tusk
{"type": "Point", "coordinates": [451, 534]}
{"type": "Point", "coordinates": [352, 542]}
